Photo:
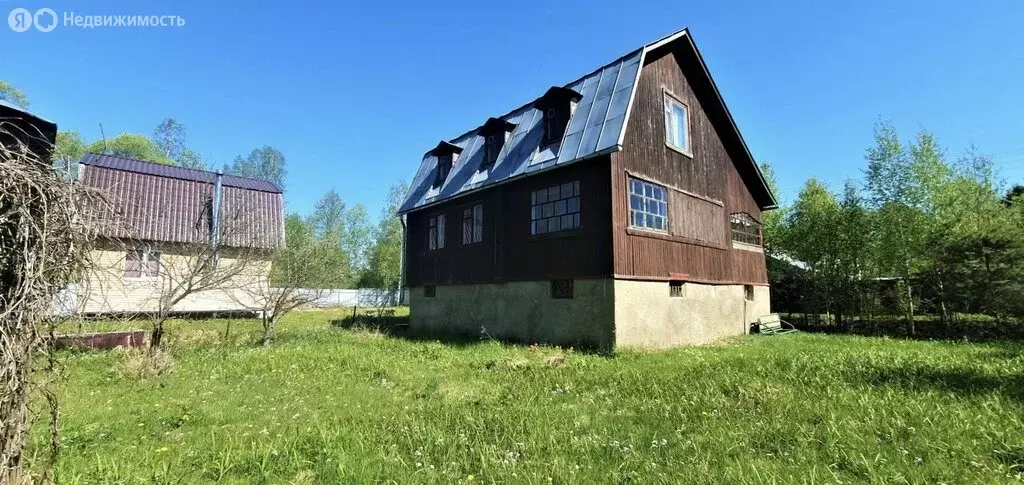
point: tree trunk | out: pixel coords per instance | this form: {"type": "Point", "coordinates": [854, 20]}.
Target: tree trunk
{"type": "Point", "coordinates": [156, 335]}
{"type": "Point", "coordinates": [910, 308]}
{"type": "Point", "coordinates": [269, 322]}
{"type": "Point", "coordinates": [14, 409]}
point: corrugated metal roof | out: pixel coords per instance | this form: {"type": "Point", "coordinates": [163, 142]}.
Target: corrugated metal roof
{"type": "Point", "coordinates": [153, 202]}
{"type": "Point", "coordinates": [150, 168]}
{"type": "Point", "coordinates": [596, 127]}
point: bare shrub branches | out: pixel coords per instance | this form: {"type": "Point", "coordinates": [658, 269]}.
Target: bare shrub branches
{"type": "Point", "coordinates": [44, 245]}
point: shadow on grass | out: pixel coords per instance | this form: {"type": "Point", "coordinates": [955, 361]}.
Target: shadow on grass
{"type": "Point", "coordinates": [962, 382]}
{"type": "Point", "coordinates": [398, 327]}
{"type": "Point", "coordinates": [925, 328]}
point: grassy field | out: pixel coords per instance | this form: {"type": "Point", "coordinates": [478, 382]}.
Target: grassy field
{"type": "Point", "coordinates": [326, 405]}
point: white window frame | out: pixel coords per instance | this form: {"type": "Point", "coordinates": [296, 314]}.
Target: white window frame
{"type": "Point", "coordinates": [557, 207]}
{"type": "Point", "coordinates": [672, 102]}
{"type": "Point", "coordinates": [645, 202]}
{"type": "Point", "coordinates": [146, 256]}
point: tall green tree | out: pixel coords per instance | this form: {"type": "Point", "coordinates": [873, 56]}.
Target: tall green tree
{"type": "Point", "coordinates": [899, 229]}
{"type": "Point", "coordinates": [328, 225]}
{"type": "Point", "coordinates": [854, 251]}
{"type": "Point", "coordinates": [13, 95]}
{"type": "Point", "coordinates": [773, 220]}
{"type": "Point", "coordinates": [358, 237]}
{"type": "Point", "coordinates": [384, 269]}
{"type": "Point", "coordinates": [170, 136]}
{"type": "Point", "coordinates": [266, 163]}
{"type": "Point", "coordinates": [812, 236]}
{"type": "Point", "coordinates": [131, 145]}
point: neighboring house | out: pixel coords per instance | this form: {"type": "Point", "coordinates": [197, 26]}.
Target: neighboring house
{"type": "Point", "coordinates": [159, 222]}
{"type": "Point", "coordinates": [622, 209]}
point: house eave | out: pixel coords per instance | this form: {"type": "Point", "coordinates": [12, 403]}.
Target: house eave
{"type": "Point", "coordinates": [525, 174]}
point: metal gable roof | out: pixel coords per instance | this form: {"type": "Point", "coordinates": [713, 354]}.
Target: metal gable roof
{"type": "Point", "coordinates": [150, 168]}
{"type": "Point", "coordinates": [597, 127]}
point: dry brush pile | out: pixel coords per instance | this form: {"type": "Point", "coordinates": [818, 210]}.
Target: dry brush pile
{"type": "Point", "coordinates": [44, 245]}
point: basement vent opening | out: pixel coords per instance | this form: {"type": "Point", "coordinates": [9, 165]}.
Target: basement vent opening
{"type": "Point", "coordinates": [561, 288]}
{"type": "Point", "coordinates": [676, 289]}
{"type": "Point", "coordinates": [429, 291]}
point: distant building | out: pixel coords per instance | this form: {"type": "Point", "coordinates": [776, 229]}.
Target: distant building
{"type": "Point", "coordinates": [622, 209]}
{"type": "Point", "coordinates": [155, 218]}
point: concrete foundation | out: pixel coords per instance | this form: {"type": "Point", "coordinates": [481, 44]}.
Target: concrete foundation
{"type": "Point", "coordinates": [602, 314]}
{"type": "Point", "coordinates": [518, 311]}
{"type": "Point", "coordinates": [647, 316]}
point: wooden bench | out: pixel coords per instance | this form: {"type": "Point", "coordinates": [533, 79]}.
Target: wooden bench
{"type": "Point", "coordinates": [773, 325]}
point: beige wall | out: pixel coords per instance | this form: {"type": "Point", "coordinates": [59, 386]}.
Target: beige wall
{"type": "Point", "coordinates": [106, 290]}
{"type": "Point", "coordinates": [646, 316]}
{"type": "Point", "coordinates": [603, 313]}
{"type": "Point", "coordinates": [518, 311]}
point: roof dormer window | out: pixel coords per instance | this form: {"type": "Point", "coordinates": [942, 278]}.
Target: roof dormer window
{"type": "Point", "coordinates": [495, 131]}
{"type": "Point", "coordinates": [446, 154]}
{"type": "Point", "coordinates": [558, 105]}
{"type": "Point", "coordinates": [444, 167]}
{"type": "Point", "coordinates": [492, 147]}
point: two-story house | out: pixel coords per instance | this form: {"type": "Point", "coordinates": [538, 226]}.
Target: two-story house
{"type": "Point", "coordinates": [622, 209]}
{"type": "Point", "coordinates": [158, 224]}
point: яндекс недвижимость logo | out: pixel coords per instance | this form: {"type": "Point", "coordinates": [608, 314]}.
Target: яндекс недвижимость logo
{"type": "Point", "coordinates": [45, 20]}
{"type": "Point", "coordinates": [21, 19]}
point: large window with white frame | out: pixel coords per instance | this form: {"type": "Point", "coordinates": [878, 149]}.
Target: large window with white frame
{"type": "Point", "coordinates": [555, 209]}
{"type": "Point", "coordinates": [677, 124]}
{"type": "Point", "coordinates": [648, 206]}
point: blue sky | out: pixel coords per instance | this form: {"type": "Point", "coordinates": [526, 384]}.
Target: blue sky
{"type": "Point", "coordinates": [353, 93]}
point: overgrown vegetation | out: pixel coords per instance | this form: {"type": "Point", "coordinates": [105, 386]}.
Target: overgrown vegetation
{"type": "Point", "coordinates": [326, 405]}
{"type": "Point", "coordinates": [44, 243]}
{"type": "Point", "coordinates": [920, 235]}
{"type": "Point", "coordinates": [356, 254]}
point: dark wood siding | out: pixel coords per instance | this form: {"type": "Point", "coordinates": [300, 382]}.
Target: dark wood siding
{"type": "Point", "coordinates": [508, 251]}
{"type": "Point", "coordinates": [705, 185]}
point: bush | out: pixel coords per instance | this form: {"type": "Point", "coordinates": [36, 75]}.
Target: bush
{"type": "Point", "coordinates": [142, 364]}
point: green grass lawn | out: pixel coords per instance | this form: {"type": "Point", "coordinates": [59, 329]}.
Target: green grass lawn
{"type": "Point", "coordinates": [326, 405]}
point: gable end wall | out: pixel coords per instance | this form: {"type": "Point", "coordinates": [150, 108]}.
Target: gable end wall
{"type": "Point", "coordinates": [704, 189]}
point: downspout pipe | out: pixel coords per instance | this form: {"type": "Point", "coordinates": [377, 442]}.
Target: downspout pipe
{"type": "Point", "coordinates": [218, 200]}
{"type": "Point", "coordinates": [402, 263]}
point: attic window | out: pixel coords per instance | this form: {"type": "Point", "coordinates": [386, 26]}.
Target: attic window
{"type": "Point", "coordinates": [558, 105]}
{"type": "Point", "coordinates": [492, 146]}
{"type": "Point", "coordinates": [444, 167]}
{"type": "Point", "coordinates": [677, 125]}
{"type": "Point", "coordinates": [446, 154]}
{"type": "Point", "coordinates": [495, 131]}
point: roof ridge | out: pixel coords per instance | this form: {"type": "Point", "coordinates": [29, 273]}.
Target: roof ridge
{"type": "Point", "coordinates": [137, 160]}
{"type": "Point", "coordinates": [176, 167]}
{"type": "Point", "coordinates": [581, 78]}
